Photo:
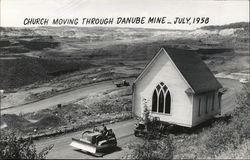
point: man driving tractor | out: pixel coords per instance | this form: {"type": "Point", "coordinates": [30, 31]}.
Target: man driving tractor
{"type": "Point", "coordinates": [104, 133]}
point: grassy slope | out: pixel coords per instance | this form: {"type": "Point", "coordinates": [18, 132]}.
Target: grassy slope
{"type": "Point", "coordinates": [242, 152]}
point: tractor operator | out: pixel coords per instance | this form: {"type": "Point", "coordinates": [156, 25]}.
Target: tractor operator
{"type": "Point", "coordinates": [103, 135]}
{"type": "Point", "coordinates": [104, 130]}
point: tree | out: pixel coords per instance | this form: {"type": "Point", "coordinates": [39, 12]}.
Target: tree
{"type": "Point", "coordinates": [146, 113]}
{"type": "Point", "coordinates": [12, 147]}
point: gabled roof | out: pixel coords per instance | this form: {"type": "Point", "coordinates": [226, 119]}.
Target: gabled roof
{"type": "Point", "coordinates": [193, 69]}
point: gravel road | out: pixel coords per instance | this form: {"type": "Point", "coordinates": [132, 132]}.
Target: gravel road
{"type": "Point", "coordinates": [63, 98]}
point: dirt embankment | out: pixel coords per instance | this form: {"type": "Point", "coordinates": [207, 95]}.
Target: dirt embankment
{"type": "Point", "coordinates": [111, 105]}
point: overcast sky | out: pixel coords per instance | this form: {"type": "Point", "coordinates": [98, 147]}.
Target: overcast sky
{"type": "Point", "coordinates": [13, 12]}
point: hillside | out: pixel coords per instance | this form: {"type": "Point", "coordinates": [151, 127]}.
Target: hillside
{"type": "Point", "coordinates": [224, 48]}
{"type": "Point", "coordinates": [243, 25]}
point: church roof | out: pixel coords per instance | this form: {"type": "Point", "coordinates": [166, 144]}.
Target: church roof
{"type": "Point", "coordinates": [193, 69]}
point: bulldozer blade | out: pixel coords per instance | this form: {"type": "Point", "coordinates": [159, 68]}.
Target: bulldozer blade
{"type": "Point", "coordinates": [83, 145]}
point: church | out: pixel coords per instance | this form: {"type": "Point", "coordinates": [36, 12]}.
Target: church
{"type": "Point", "coordinates": [178, 87]}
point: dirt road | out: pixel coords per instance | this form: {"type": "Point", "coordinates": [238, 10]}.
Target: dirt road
{"type": "Point", "coordinates": [233, 87]}
{"type": "Point", "coordinates": [62, 150]}
{"type": "Point", "coordinates": [63, 98]}
{"type": "Point", "coordinates": [124, 130]}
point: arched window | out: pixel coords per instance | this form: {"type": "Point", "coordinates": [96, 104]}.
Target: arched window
{"type": "Point", "coordinates": [167, 102]}
{"type": "Point", "coordinates": [154, 102]}
{"type": "Point", "coordinates": [161, 100]}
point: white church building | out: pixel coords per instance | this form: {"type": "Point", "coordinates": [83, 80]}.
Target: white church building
{"type": "Point", "coordinates": [178, 87]}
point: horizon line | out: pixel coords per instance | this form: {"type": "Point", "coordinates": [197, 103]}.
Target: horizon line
{"type": "Point", "coordinates": [130, 27]}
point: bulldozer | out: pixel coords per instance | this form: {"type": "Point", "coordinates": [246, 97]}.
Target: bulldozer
{"type": "Point", "coordinates": [95, 142]}
{"type": "Point", "coordinates": [122, 83]}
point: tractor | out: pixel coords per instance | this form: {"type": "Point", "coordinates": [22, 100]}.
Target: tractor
{"type": "Point", "coordinates": [122, 83]}
{"type": "Point", "coordinates": [96, 141]}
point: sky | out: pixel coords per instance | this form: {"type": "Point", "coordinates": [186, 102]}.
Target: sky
{"type": "Point", "coordinates": [219, 12]}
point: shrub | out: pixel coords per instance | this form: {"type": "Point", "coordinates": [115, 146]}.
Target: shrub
{"type": "Point", "coordinates": [12, 147]}
{"type": "Point", "coordinates": [220, 138]}
{"type": "Point", "coordinates": [153, 149]}
{"type": "Point", "coordinates": [242, 152]}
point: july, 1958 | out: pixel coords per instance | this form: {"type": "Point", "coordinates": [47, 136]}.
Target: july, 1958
{"type": "Point", "coordinates": [190, 20]}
